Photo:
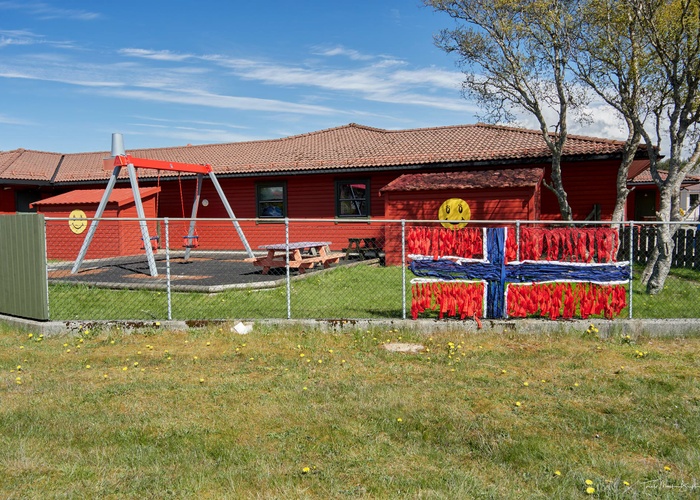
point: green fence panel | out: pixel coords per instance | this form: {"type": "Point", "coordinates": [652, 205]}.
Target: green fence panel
{"type": "Point", "coordinates": [23, 284]}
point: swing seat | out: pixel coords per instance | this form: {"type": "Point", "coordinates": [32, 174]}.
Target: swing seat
{"type": "Point", "coordinates": [190, 241]}
{"type": "Point", "coordinates": [154, 243]}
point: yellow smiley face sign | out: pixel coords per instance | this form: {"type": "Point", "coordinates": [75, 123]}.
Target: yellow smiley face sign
{"type": "Point", "coordinates": [75, 223]}
{"type": "Point", "coordinates": [454, 209]}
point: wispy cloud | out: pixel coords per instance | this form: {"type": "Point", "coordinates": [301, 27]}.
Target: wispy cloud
{"type": "Point", "coordinates": [45, 11]}
{"type": "Point", "coordinates": [9, 120]}
{"type": "Point", "coordinates": [342, 51]}
{"type": "Point", "coordinates": [202, 98]}
{"type": "Point", "coordinates": [181, 133]}
{"type": "Point", "coordinates": [157, 55]}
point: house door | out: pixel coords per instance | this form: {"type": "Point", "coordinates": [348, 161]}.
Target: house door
{"type": "Point", "coordinates": [644, 205]}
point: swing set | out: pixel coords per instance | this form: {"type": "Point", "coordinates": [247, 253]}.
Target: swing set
{"type": "Point", "coordinates": [120, 159]}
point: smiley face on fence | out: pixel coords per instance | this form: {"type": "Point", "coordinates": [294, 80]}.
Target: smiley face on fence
{"type": "Point", "coordinates": [454, 209]}
{"type": "Point", "coordinates": [75, 223]}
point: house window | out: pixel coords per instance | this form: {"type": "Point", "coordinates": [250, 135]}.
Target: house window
{"type": "Point", "coordinates": [271, 200]}
{"type": "Point", "coordinates": [352, 198]}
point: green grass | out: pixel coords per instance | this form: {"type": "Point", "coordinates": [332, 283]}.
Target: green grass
{"type": "Point", "coordinates": [211, 414]}
{"type": "Point", "coordinates": [344, 292]}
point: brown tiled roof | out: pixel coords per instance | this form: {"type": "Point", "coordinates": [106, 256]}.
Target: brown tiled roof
{"type": "Point", "coordinates": [348, 147]}
{"type": "Point", "coordinates": [644, 177]}
{"type": "Point", "coordinates": [22, 164]}
{"type": "Point", "coordinates": [120, 196]}
{"type": "Point", "coordinates": [502, 178]}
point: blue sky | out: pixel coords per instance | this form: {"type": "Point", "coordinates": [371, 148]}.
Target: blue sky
{"type": "Point", "coordinates": [170, 73]}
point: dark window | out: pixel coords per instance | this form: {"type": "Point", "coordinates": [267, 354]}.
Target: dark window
{"type": "Point", "coordinates": [352, 198]}
{"type": "Point", "coordinates": [271, 200]}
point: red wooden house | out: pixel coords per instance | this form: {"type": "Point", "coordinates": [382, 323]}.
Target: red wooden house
{"type": "Point", "coordinates": [349, 175]}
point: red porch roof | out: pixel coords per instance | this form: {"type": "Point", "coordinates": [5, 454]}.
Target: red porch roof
{"type": "Point", "coordinates": [492, 179]}
{"type": "Point", "coordinates": [120, 196]}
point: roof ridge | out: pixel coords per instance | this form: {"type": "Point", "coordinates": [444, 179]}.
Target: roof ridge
{"type": "Point", "coordinates": [581, 137]}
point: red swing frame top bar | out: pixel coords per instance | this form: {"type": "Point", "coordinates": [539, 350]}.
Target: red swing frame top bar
{"type": "Point", "coordinates": [124, 160]}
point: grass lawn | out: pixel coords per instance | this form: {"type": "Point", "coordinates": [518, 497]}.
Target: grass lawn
{"type": "Point", "coordinates": [301, 414]}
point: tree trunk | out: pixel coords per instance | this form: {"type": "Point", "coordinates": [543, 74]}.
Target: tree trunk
{"type": "Point", "coordinates": [662, 264]}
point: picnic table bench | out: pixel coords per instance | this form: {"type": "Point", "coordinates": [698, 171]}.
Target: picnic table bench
{"type": "Point", "coordinates": [363, 248]}
{"type": "Point", "coordinates": [302, 255]}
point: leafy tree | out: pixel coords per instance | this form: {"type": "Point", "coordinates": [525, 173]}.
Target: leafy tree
{"type": "Point", "coordinates": [642, 57]}
{"type": "Point", "coordinates": [515, 54]}
{"type": "Point", "coordinates": [668, 109]}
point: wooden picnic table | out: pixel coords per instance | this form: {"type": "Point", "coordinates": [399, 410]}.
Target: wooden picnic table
{"type": "Point", "coordinates": [302, 255]}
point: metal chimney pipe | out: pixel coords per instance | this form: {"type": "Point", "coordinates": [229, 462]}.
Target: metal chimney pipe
{"type": "Point", "coordinates": [118, 145]}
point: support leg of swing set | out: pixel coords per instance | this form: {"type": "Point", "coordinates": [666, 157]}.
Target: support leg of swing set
{"type": "Point", "coordinates": [93, 225]}
{"type": "Point", "coordinates": [231, 215]}
{"type": "Point", "coordinates": [142, 219]}
{"type": "Point", "coordinates": [190, 233]}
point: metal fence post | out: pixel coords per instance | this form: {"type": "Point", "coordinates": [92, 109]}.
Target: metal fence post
{"type": "Point", "coordinates": [403, 269]}
{"type": "Point", "coordinates": [167, 268]}
{"type": "Point", "coordinates": [631, 259]}
{"type": "Point", "coordinates": [286, 259]}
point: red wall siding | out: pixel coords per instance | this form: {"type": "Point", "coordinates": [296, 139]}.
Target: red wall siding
{"type": "Point", "coordinates": [586, 184]}
{"type": "Point", "coordinates": [7, 200]}
{"type": "Point", "coordinates": [313, 196]}
{"type": "Point", "coordinates": [484, 204]}
{"type": "Point", "coordinates": [111, 239]}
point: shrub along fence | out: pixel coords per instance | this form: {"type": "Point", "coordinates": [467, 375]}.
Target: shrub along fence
{"type": "Point", "coordinates": [339, 269]}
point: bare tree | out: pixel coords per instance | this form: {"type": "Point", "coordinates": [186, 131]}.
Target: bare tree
{"type": "Point", "coordinates": [671, 34]}
{"type": "Point", "coordinates": [642, 57]}
{"type": "Point", "coordinates": [516, 54]}
{"type": "Point", "coordinates": [610, 59]}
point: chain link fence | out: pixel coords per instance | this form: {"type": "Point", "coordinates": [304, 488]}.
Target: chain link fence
{"type": "Point", "coordinates": [219, 269]}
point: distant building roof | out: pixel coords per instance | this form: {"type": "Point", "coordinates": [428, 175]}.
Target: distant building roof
{"type": "Point", "coordinates": [350, 147]}
{"type": "Point", "coordinates": [645, 177]}
{"type": "Point", "coordinates": [492, 179]}
{"type": "Point", "coordinates": [120, 196]}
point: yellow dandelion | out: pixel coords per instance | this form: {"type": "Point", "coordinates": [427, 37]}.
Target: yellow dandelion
{"type": "Point", "coordinates": [305, 470]}
{"type": "Point", "coordinates": [626, 483]}
{"type": "Point", "coordinates": [105, 375]}
{"type": "Point", "coordinates": [518, 404]}
{"type": "Point", "coordinates": [399, 420]}
{"type": "Point", "coordinates": [557, 473]}
{"type": "Point", "coordinates": [302, 355]}
{"type": "Point", "coordinates": [208, 343]}
{"type": "Point", "coordinates": [589, 482]}
{"type": "Point", "coordinates": [201, 380]}
{"type": "Point", "coordinates": [87, 366]}
{"type": "Point", "coordinates": [590, 490]}
{"type": "Point", "coordinates": [526, 384]}
{"type": "Point", "coordinates": [125, 368]}
{"type": "Point", "coordinates": [667, 468]}
{"type": "Point", "coordinates": [136, 363]}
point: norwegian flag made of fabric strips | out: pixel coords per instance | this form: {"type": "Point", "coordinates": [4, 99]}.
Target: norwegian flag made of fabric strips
{"type": "Point", "coordinates": [562, 272]}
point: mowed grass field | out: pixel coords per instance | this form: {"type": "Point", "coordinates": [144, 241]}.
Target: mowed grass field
{"type": "Point", "coordinates": [288, 413]}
